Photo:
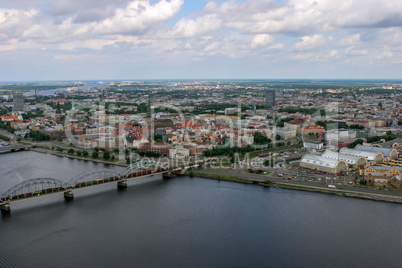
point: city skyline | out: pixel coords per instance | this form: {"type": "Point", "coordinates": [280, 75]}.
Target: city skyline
{"type": "Point", "coordinates": [250, 39]}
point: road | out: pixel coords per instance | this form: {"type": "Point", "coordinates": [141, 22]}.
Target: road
{"type": "Point", "coordinates": [9, 135]}
{"type": "Point", "coordinates": [303, 182]}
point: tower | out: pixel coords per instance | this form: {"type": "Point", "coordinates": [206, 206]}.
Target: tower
{"type": "Point", "coordinates": [18, 101]}
{"type": "Point", "coordinates": [270, 98]}
{"type": "Point", "coordinates": [149, 108]}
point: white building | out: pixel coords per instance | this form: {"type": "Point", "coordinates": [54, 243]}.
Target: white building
{"type": "Point", "coordinates": [286, 133]}
{"type": "Point", "coordinates": [372, 157]}
{"type": "Point", "coordinates": [231, 111]}
{"type": "Point", "coordinates": [388, 153]}
{"type": "Point", "coordinates": [337, 135]}
{"type": "Point", "coordinates": [179, 152]}
{"type": "Point", "coordinates": [313, 145]}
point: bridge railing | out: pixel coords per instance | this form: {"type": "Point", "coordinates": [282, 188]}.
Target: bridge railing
{"type": "Point", "coordinates": [40, 186]}
{"type": "Point", "coordinates": [32, 188]}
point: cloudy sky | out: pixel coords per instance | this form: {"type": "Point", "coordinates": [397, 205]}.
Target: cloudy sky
{"type": "Point", "coordinates": [161, 39]}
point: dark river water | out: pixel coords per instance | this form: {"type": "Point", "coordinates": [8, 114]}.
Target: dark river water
{"type": "Point", "coordinates": [189, 222]}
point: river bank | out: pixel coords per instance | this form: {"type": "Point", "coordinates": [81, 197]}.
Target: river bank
{"type": "Point", "coordinates": [43, 151]}
{"type": "Point", "coordinates": [292, 186]}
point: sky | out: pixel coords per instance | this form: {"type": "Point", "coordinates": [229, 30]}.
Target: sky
{"type": "Point", "coordinates": [200, 39]}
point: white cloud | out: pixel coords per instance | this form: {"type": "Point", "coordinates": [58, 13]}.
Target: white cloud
{"type": "Point", "coordinates": [334, 53]}
{"type": "Point", "coordinates": [137, 17]}
{"type": "Point", "coordinates": [351, 40]}
{"type": "Point", "coordinates": [202, 25]}
{"type": "Point", "coordinates": [312, 42]}
{"type": "Point", "coordinates": [352, 51]}
{"type": "Point", "coordinates": [259, 30]}
{"type": "Point", "coordinates": [387, 54]}
{"type": "Point", "coordinates": [261, 40]}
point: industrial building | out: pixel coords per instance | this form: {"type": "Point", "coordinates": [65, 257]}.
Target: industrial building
{"type": "Point", "coordinates": [372, 157]}
{"type": "Point", "coordinates": [359, 158]}
{"type": "Point", "coordinates": [395, 144]}
{"type": "Point", "coordinates": [324, 164]}
{"type": "Point", "coordinates": [355, 161]}
{"type": "Point", "coordinates": [389, 153]}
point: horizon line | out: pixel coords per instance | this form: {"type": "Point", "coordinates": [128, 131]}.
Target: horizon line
{"type": "Point", "coordinates": [202, 79]}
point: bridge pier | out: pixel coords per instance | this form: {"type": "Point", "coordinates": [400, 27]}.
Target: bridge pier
{"type": "Point", "coordinates": [5, 208]}
{"type": "Point", "coordinates": [122, 184]}
{"type": "Point", "coordinates": [68, 195]}
{"type": "Point", "coordinates": [166, 175]}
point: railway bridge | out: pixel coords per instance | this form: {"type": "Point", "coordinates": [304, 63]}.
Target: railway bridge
{"type": "Point", "coordinates": [45, 186]}
{"type": "Point", "coordinates": [13, 148]}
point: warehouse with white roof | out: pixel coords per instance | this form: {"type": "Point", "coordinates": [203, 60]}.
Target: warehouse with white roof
{"type": "Point", "coordinates": [372, 157]}
{"type": "Point", "coordinates": [354, 161]}
{"type": "Point", "coordinates": [324, 164]}
{"type": "Point", "coordinates": [389, 153]}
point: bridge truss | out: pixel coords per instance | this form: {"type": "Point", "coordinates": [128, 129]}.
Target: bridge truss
{"type": "Point", "coordinates": [32, 188]}
{"type": "Point", "coordinates": [41, 186]}
{"type": "Point", "coordinates": [94, 177]}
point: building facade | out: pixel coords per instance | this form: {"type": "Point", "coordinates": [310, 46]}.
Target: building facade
{"type": "Point", "coordinates": [161, 148]}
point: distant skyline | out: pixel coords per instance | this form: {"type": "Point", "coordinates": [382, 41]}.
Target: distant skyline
{"type": "Point", "coordinates": [200, 39]}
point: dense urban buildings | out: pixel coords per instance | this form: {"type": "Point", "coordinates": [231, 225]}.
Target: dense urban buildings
{"type": "Point", "coordinates": [332, 131]}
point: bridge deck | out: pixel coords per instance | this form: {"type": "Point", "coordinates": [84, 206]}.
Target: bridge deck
{"type": "Point", "coordinates": [78, 185]}
{"type": "Point", "coordinates": [12, 148]}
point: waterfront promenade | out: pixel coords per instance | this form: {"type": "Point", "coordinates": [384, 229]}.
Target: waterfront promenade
{"type": "Point", "coordinates": [364, 192]}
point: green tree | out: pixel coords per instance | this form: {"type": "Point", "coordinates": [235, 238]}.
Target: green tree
{"type": "Point", "coordinates": [79, 153]}
{"type": "Point", "coordinates": [356, 142]}
{"type": "Point", "coordinates": [95, 154]}
{"type": "Point", "coordinates": [59, 149]}
{"type": "Point", "coordinates": [85, 153]}
{"type": "Point", "coordinates": [106, 155]}
{"type": "Point", "coordinates": [70, 151]}
{"type": "Point", "coordinates": [278, 137]}
{"type": "Point", "coordinates": [268, 163]}
{"type": "Point", "coordinates": [261, 139]}
{"type": "Point", "coordinates": [356, 127]}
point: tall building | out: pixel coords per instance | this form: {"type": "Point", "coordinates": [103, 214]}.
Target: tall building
{"type": "Point", "coordinates": [18, 100]}
{"type": "Point", "coordinates": [149, 111]}
{"type": "Point", "coordinates": [270, 98]}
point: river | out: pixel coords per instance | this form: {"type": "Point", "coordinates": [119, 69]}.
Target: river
{"type": "Point", "coordinates": [52, 92]}
{"type": "Point", "coordinates": [189, 222]}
